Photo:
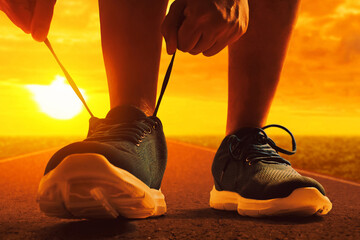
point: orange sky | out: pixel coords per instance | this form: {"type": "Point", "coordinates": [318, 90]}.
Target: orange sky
{"type": "Point", "coordinates": [318, 93]}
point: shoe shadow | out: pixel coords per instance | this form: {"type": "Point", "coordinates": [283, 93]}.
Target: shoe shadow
{"type": "Point", "coordinates": [207, 213]}
{"type": "Point", "coordinates": [87, 229]}
{"type": "Point", "coordinates": [99, 229]}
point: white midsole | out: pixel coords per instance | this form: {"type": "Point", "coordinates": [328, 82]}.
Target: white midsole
{"type": "Point", "coordinates": [84, 182]}
{"type": "Point", "coordinates": [302, 201]}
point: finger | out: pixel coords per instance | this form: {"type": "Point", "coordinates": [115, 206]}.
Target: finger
{"type": "Point", "coordinates": [222, 41]}
{"type": "Point", "coordinates": [41, 20]}
{"type": "Point", "coordinates": [188, 36]}
{"type": "Point", "coordinates": [216, 48]}
{"type": "Point", "coordinates": [171, 25]}
{"type": "Point", "coordinates": [203, 44]}
{"type": "Point", "coordinates": [237, 34]}
{"type": "Point", "coordinates": [19, 14]}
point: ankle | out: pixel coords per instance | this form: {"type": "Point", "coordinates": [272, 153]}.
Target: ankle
{"type": "Point", "coordinates": [231, 128]}
{"type": "Point", "coordinates": [145, 106]}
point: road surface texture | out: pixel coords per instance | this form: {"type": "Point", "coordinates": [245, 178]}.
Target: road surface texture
{"type": "Point", "coordinates": [186, 186]}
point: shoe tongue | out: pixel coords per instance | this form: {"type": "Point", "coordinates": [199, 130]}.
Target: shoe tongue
{"type": "Point", "coordinates": [125, 114]}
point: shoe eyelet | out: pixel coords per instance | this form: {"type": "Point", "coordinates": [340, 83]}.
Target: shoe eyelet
{"type": "Point", "coordinates": [248, 161]}
{"type": "Point", "coordinates": [143, 136]}
{"type": "Point", "coordinates": [149, 131]}
{"type": "Point", "coordinates": [155, 125]}
{"type": "Point", "coordinates": [138, 144]}
{"type": "Point", "coordinates": [140, 140]}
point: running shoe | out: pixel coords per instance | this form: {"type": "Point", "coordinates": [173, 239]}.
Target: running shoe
{"type": "Point", "coordinates": [253, 179]}
{"type": "Point", "coordinates": [116, 171]}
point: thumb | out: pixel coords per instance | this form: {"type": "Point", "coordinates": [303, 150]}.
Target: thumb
{"type": "Point", "coordinates": [40, 24]}
{"type": "Point", "coordinates": [171, 25]}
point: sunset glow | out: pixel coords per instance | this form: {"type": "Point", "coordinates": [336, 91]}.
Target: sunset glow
{"type": "Point", "coordinates": [57, 100]}
{"type": "Point", "coordinates": [318, 92]}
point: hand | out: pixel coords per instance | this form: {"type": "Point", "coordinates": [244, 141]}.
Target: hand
{"type": "Point", "coordinates": [204, 26]}
{"type": "Point", "coordinates": [32, 16]}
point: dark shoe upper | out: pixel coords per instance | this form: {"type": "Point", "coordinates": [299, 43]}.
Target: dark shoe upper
{"type": "Point", "coordinates": [128, 139]}
{"type": "Point", "coordinates": [248, 163]}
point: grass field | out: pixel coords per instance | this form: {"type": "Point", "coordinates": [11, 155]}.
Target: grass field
{"type": "Point", "coordinates": [334, 156]}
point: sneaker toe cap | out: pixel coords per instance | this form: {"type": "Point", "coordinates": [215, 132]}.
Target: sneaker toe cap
{"type": "Point", "coordinates": [286, 187]}
{"type": "Point", "coordinates": [280, 189]}
{"type": "Point", "coordinates": [121, 158]}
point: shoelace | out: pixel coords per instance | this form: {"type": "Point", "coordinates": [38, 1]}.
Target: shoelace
{"type": "Point", "coordinates": [78, 93]}
{"type": "Point", "coordinates": [134, 131]}
{"type": "Point", "coordinates": [262, 148]}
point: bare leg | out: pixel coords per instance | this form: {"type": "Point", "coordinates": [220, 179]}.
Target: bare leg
{"type": "Point", "coordinates": [256, 60]}
{"type": "Point", "coordinates": [131, 43]}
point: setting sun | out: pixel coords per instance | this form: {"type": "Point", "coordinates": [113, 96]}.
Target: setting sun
{"type": "Point", "coordinates": [318, 92]}
{"type": "Point", "coordinates": [57, 100]}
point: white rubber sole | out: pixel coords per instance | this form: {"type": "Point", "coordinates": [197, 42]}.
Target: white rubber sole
{"type": "Point", "coordinates": [88, 186]}
{"type": "Point", "coordinates": [301, 202]}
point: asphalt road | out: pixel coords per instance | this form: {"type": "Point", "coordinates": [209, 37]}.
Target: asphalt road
{"type": "Point", "coordinates": [186, 186]}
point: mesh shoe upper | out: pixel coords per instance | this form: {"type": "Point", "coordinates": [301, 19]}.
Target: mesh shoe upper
{"type": "Point", "coordinates": [248, 163]}
{"type": "Point", "coordinates": [128, 139]}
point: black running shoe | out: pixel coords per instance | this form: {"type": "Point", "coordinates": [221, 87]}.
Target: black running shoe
{"type": "Point", "coordinates": [253, 179]}
{"type": "Point", "coordinates": [116, 170]}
